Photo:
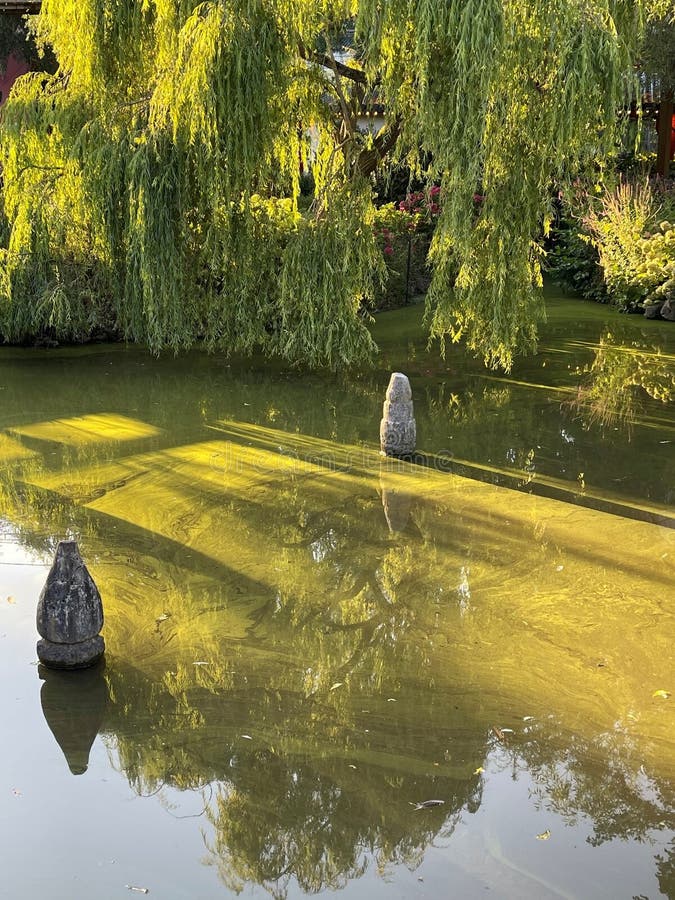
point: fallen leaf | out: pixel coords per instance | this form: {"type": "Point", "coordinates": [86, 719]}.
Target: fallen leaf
{"type": "Point", "coordinates": [544, 836]}
{"type": "Point", "coordinates": [428, 804]}
{"type": "Point", "coordinates": [663, 694]}
{"type": "Point", "coordinates": [479, 770]}
{"type": "Point", "coordinates": [498, 733]}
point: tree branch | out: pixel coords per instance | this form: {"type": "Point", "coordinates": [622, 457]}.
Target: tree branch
{"type": "Point", "coordinates": [368, 160]}
{"type": "Point", "coordinates": [323, 59]}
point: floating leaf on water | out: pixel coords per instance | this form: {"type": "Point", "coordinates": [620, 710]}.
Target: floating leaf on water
{"type": "Point", "coordinates": [428, 804]}
{"type": "Point", "coordinates": [498, 733]}
{"type": "Point", "coordinates": [479, 770]}
{"type": "Point", "coordinates": [528, 718]}
{"type": "Point", "coordinates": [351, 765]}
{"type": "Point", "coordinates": [391, 699]}
{"type": "Point", "coordinates": [337, 684]}
{"type": "Point", "coordinates": [247, 737]}
{"type": "Point", "coordinates": [544, 836]}
{"type": "Point", "coordinates": [663, 694]}
{"type": "Point", "coordinates": [507, 730]}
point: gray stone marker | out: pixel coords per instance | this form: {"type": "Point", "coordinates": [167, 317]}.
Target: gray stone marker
{"type": "Point", "coordinates": [398, 433]}
{"type": "Point", "coordinates": [69, 613]}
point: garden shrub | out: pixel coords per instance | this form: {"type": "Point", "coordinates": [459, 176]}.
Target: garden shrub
{"type": "Point", "coordinates": [617, 246]}
{"type": "Point", "coordinates": [635, 250]}
{"type": "Point", "coordinates": [404, 230]}
{"type": "Point", "coordinates": [573, 260]}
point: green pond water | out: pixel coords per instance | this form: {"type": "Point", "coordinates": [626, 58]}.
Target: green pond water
{"type": "Point", "coordinates": [305, 641]}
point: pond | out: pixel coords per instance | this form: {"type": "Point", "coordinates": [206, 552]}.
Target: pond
{"type": "Point", "coordinates": [306, 642]}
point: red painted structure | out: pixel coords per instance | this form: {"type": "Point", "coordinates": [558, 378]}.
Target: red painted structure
{"type": "Point", "coordinates": [11, 70]}
{"type": "Point", "coordinates": [665, 117]}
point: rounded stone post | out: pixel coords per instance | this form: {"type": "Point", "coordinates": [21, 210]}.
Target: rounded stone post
{"type": "Point", "coordinates": [398, 433]}
{"type": "Point", "coordinates": [70, 613]}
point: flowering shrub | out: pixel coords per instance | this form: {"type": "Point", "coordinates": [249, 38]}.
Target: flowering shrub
{"type": "Point", "coordinates": [404, 231]}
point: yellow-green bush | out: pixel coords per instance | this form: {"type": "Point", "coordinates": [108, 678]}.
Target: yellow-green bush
{"type": "Point", "coordinates": [636, 251]}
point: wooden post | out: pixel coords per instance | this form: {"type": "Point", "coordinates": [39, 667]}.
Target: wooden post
{"type": "Point", "coordinates": [665, 135]}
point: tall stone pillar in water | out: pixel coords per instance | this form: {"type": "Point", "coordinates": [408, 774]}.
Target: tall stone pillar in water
{"type": "Point", "coordinates": [69, 613]}
{"type": "Point", "coordinates": [398, 433]}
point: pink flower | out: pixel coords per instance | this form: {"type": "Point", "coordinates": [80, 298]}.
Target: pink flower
{"type": "Point", "coordinates": [389, 250]}
{"type": "Point", "coordinates": [435, 191]}
{"type": "Point", "coordinates": [434, 209]}
{"type": "Point", "coordinates": [478, 198]}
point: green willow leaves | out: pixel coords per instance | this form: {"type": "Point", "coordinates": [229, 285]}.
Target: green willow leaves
{"type": "Point", "coordinates": [151, 185]}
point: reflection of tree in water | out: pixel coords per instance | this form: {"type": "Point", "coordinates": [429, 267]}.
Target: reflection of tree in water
{"type": "Point", "coordinates": [665, 871]}
{"type": "Point", "coordinates": [621, 378]}
{"type": "Point", "coordinates": [314, 788]}
{"type": "Point", "coordinates": [335, 687]}
{"type": "Point", "coordinates": [599, 780]}
{"type": "Point", "coordinates": [322, 824]}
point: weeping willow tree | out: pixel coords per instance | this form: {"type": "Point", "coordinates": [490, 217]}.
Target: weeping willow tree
{"type": "Point", "coordinates": [152, 181]}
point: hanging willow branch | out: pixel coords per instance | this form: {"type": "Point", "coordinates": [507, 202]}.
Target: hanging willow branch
{"type": "Point", "coordinates": [178, 129]}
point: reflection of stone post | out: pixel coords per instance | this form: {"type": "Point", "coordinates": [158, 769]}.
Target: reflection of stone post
{"type": "Point", "coordinates": [74, 709]}
{"type": "Point", "coordinates": [69, 613]}
{"type": "Point", "coordinates": [397, 428]}
{"type": "Point", "coordinates": [397, 506]}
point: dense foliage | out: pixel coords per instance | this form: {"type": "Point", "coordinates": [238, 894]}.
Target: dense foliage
{"type": "Point", "coordinates": [137, 177]}
{"type": "Point", "coordinates": [636, 254]}
{"type": "Point", "coordinates": [618, 245]}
